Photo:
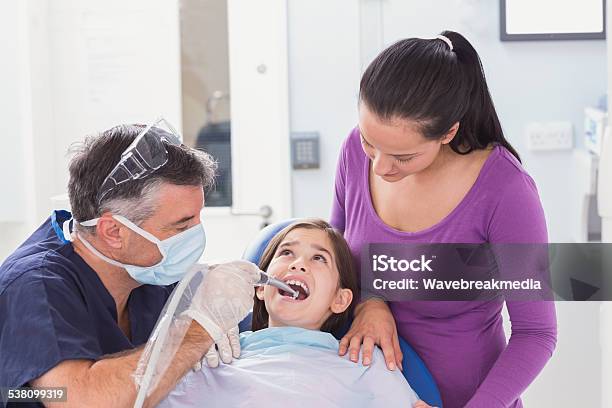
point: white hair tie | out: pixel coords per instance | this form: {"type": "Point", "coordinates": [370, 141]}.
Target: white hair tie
{"type": "Point", "coordinates": [446, 40]}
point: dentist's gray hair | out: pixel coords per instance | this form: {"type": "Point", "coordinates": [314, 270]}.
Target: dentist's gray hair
{"type": "Point", "coordinates": [136, 200]}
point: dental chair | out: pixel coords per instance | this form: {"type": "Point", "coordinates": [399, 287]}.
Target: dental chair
{"type": "Point", "coordinates": [414, 369]}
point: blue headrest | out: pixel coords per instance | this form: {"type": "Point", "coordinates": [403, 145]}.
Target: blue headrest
{"type": "Point", "coordinates": [254, 251]}
{"type": "Point", "coordinates": [418, 376]}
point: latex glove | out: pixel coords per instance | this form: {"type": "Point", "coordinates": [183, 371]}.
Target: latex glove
{"type": "Point", "coordinates": [226, 350]}
{"type": "Point", "coordinates": [224, 297]}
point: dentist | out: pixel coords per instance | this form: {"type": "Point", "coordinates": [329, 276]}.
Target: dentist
{"type": "Point", "coordinates": [429, 163]}
{"type": "Point", "coordinates": [76, 304]}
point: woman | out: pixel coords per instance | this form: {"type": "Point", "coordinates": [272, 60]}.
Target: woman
{"type": "Point", "coordinates": [429, 163]}
{"type": "Point", "coordinates": [290, 359]}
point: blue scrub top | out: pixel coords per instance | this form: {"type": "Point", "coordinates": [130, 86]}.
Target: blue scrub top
{"type": "Point", "coordinates": [54, 307]}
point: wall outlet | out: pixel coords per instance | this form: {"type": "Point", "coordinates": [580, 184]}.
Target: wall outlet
{"type": "Point", "coordinates": [547, 136]}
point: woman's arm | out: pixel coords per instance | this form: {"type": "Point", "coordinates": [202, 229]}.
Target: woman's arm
{"type": "Point", "coordinates": [533, 339]}
{"type": "Point", "coordinates": [519, 218]}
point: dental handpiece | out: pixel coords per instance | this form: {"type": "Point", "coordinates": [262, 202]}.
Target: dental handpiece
{"type": "Point", "coordinates": [266, 279]}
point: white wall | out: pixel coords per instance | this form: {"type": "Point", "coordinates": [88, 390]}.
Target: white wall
{"type": "Point", "coordinates": [573, 375]}
{"type": "Point", "coordinates": [16, 206]}
{"type": "Point", "coordinates": [324, 76]}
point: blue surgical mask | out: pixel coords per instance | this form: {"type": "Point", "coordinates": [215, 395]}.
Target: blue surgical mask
{"type": "Point", "coordinates": [179, 253]}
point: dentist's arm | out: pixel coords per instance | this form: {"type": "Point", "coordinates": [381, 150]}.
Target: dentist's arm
{"type": "Point", "coordinates": [222, 300]}
{"type": "Point", "coordinates": [109, 382]}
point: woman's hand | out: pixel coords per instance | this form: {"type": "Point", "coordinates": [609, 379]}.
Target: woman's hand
{"type": "Point", "coordinates": [373, 324]}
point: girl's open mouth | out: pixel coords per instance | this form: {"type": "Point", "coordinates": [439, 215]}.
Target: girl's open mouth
{"type": "Point", "coordinates": [299, 286]}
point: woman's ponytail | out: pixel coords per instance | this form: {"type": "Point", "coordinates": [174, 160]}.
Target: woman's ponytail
{"type": "Point", "coordinates": [480, 125]}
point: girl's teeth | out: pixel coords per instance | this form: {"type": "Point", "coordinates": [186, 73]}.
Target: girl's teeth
{"type": "Point", "coordinates": [298, 283]}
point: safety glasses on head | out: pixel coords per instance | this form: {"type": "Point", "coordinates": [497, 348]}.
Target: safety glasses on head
{"type": "Point", "coordinates": [142, 157]}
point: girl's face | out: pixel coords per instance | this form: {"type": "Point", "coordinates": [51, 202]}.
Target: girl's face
{"type": "Point", "coordinates": [305, 260]}
{"type": "Point", "coordinates": [397, 149]}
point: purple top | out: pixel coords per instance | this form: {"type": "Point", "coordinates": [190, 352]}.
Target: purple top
{"type": "Point", "coordinates": [462, 343]}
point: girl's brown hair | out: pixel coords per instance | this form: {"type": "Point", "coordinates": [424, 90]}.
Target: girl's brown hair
{"type": "Point", "coordinates": [344, 264]}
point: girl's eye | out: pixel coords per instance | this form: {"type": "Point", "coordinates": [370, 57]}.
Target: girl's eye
{"type": "Point", "coordinates": [284, 252]}
{"type": "Point", "coordinates": [320, 258]}
{"type": "Point", "coordinates": [181, 229]}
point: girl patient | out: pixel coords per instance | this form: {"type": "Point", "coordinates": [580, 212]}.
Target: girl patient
{"type": "Point", "coordinates": [291, 358]}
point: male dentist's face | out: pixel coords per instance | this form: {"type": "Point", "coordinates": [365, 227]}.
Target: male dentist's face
{"type": "Point", "coordinates": [304, 260]}
{"type": "Point", "coordinates": [396, 148]}
{"type": "Point", "coordinates": [178, 209]}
